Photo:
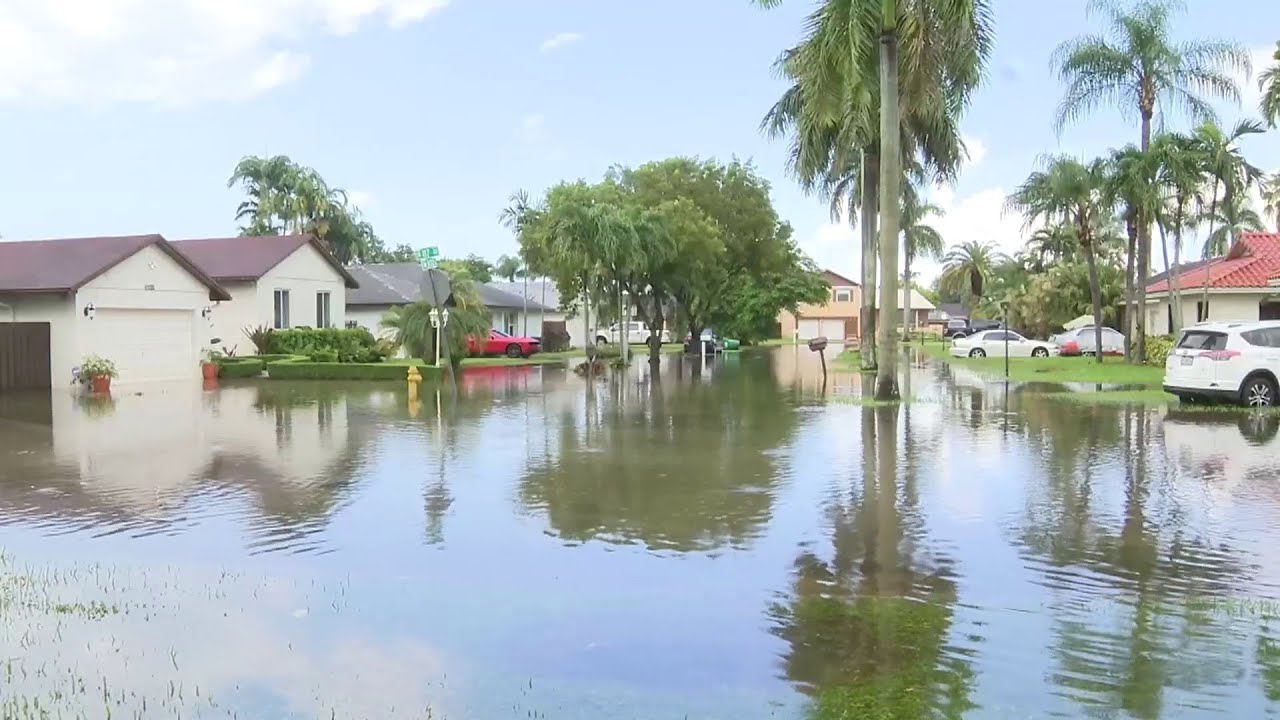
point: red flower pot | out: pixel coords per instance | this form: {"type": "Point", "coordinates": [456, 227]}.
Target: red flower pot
{"type": "Point", "coordinates": [209, 371]}
{"type": "Point", "coordinates": [101, 384]}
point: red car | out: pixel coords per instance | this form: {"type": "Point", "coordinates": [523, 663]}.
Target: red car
{"type": "Point", "coordinates": [500, 343]}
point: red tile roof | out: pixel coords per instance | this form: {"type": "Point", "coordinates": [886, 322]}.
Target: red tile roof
{"type": "Point", "coordinates": [248, 257]}
{"type": "Point", "coordinates": [65, 265]}
{"type": "Point", "coordinates": [1252, 262]}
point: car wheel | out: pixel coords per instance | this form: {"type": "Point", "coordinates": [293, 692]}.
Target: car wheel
{"type": "Point", "coordinates": [514, 351]}
{"type": "Point", "coordinates": [1258, 392]}
{"type": "Point", "coordinates": [1040, 352]}
{"type": "Point", "coordinates": [977, 353]}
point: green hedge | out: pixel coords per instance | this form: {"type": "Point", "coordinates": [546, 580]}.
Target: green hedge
{"type": "Point", "coordinates": [347, 345]}
{"type": "Point", "coordinates": [233, 368]}
{"type": "Point", "coordinates": [303, 369]}
{"type": "Point", "coordinates": [1158, 348]}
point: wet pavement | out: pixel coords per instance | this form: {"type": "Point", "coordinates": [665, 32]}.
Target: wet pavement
{"type": "Point", "coordinates": [741, 541]}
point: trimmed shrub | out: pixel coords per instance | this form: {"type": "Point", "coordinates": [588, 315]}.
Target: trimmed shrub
{"type": "Point", "coordinates": [344, 345]}
{"type": "Point", "coordinates": [1158, 348]}
{"type": "Point", "coordinates": [234, 368]}
{"type": "Point", "coordinates": [304, 369]}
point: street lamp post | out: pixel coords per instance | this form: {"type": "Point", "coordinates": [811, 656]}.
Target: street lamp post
{"type": "Point", "coordinates": [1004, 309]}
{"type": "Point", "coordinates": [439, 319]}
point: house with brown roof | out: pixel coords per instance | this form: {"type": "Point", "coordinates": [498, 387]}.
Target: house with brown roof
{"type": "Point", "coordinates": [134, 300]}
{"type": "Point", "coordinates": [1243, 285]}
{"type": "Point", "coordinates": [837, 318]}
{"type": "Point", "coordinates": [280, 281]}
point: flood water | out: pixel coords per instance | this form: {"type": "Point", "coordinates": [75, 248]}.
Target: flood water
{"type": "Point", "coordinates": [742, 542]}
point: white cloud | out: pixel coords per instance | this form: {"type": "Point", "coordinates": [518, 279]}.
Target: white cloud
{"type": "Point", "coordinates": [362, 199]}
{"type": "Point", "coordinates": [172, 52]}
{"type": "Point", "coordinates": [560, 40]}
{"type": "Point", "coordinates": [977, 150]}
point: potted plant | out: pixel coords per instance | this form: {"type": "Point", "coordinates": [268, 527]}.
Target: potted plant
{"type": "Point", "coordinates": [99, 371]}
{"type": "Point", "coordinates": [209, 364]}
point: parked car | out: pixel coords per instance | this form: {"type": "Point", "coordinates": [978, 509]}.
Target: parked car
{"type": "Point", "coordinates": [1237, 362]}
{"type": "Point", "coordinates": [500, 343]}
{"type": "Point", "coordinates": [714, 344]}
{"type": "Point", "coordinates": [1083, 341]}
{"type": "Point", "coordinates": [963, 327]}
{"type": "Point", "coordinates": [638, 332]}
{"type": "Point", "coordinates": [993, 342]}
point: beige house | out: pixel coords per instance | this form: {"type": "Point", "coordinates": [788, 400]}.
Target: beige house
{"type": "Point", "coordinates": [837, 318]}
{"type": "Point", "coordinates": [1243, 285]}
{"type": "Point", "coordinates": [134, 300]}
{"type": "Point", "coordinates": [280, 281]}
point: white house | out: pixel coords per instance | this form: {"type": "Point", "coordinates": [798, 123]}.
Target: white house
{"type": "Point", "coordinates": [1243, 285]}
{"type": "Point", "coordinates": [544, 305]}
{"type": "Point", "coordinates": [280, 281]}
{"type": "Point", "coordinates": [134, 300]}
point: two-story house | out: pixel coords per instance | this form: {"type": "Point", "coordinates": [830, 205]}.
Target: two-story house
{"type": "Point", "coordinates": [835, 319]}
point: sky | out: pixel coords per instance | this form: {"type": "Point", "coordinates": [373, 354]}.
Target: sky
{"type": "Point", "coordinates": [127, 116]}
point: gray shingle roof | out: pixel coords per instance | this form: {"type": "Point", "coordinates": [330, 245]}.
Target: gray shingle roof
{"type": "Point", "coordinates": [400, 283]}
{"type": "Point", "coordinates": [536, 297]}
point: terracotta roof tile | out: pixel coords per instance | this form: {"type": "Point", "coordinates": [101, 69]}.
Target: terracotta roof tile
{"type": "Point", "coordinates": [1252, 262]}
{"type": "Point", "coordinates": [67, 264]}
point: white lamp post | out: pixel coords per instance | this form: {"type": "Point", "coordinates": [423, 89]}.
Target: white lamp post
{"type": "Point", "coordinates": [439, 319]}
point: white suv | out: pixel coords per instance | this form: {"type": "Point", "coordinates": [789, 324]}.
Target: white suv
{"type": "Point", "coordinates": [637, 333]}
{"type": "Point", "coordinates": [1237, 362]}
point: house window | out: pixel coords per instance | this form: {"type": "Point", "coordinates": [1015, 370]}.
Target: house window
{"type": "Point", "coordinates": [509, 321]}
{"type": "Point", "coordinates": [1202, 311]}
{"type": "Point", "coordinates": [322, 310]}
{"type": "Point", "coordinates": [281, 309]}
{"type": "Point", "coordinates": [844, 295]}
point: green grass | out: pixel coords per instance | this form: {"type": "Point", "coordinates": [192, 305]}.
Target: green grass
{"type": "Point", "coordinates": [776, 342]}
{"type": "Point", "coordinates": [303, 369]}
{"type": "Point", "coordinates": [1112, 371]}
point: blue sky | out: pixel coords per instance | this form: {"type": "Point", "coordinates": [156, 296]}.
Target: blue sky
{"type": "Point", "coordinates": [126, 116]}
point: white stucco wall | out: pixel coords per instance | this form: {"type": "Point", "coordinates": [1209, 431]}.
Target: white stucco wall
{"type": "Point", "coordinates": [370, 318]}
{"type": "Point", "coordinates": [57, 311]}
{"type": "Point", "coordinates": [1223, 306]}
{"type": "Point", "coordinates": [303, 274]}
{"type": "Point", "coordinates": [231, 317]}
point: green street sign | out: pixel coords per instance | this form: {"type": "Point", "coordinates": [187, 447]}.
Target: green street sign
{"type": "Point", "coordinates": [428, 257]}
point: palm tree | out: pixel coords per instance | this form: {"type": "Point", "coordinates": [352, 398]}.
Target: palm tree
{"type": "Point", "coordinates": [1271, 199]}
{"type": "Point", "coordinates": [1137, 64]}
{"type": "Point", "coordinates": [918, 238]}
{"type": "Point", "coordinates": [1226, 166]}
{"type": "Point", "coordinates": [969, 267]}
{"type": "Point", "coordinates": [1068, 190]}
{"type": "Point", "coordinates": [1269, 83]}
{"type": "Point", "coordinates": [1131, 184]}
{"type": "Point", "coordinates": [942, 44]}
{"type": "Point", "coordinates": [1051, 244]}
{"type": "Point", "coordinates": [1180, 175]}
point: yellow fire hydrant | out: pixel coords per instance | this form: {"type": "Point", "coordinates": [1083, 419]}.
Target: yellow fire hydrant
{"type": "Point", "coordinates": [415, 379]}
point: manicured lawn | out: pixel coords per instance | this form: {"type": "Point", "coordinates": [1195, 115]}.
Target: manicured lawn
{"type": "Point", "coordinates": [1112, 371]}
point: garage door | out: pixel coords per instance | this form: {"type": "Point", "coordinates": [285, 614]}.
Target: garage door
{"type": "Point", "coordinates": [830, 329]}
{"type": "Point", "coordinates": [24, 356]}
{"type": "Point", "coordinates": [145, 344]}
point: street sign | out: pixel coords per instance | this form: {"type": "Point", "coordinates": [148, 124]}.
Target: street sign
{"type": "Point", "coordinates": [429, 257]}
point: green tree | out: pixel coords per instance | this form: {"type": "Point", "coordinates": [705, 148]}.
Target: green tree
{"type": "Point", "coordinates": [1131, 184]}
{"type": "Point", "coordinates": [1271, 199]}
{"type": "Point", "coordinates": [468, 317]}
{"type": "Point", "coordinates": [1180, 177]}
{"type": "Point", "coordinates": [919, 238]}
{"type": "Point", "coordinates": [1068, 190]}
{"type": "Point", "coordinates": [1052, 244]}
{"type": "Point", "coordinates": [508, 268]}
{"type": "Point", "coordinates": [1269, 83]}
{"type": "Point", "coordinates": [1138, 65]}
{"type": "Point", "coordinates": [1226, 168]}
{"type": "Point", "coordinates": [968, 267]}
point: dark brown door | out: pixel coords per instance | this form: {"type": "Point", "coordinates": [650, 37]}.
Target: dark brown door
{"type": "Point", "coordinates": [24, 356]}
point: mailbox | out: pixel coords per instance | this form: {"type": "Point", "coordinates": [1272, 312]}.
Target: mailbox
{"type": "Point", "coordinates": [818, 344]}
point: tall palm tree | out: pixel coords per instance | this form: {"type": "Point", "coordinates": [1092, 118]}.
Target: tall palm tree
{"type": "Point", "coordinates": [1180, 176]}
{"type": "Point", "coordinates": [1269, 83]}
{"type": "Point", "coordinates": [1068, 190]}
{"type": "Point", "coordinates": [919, 238]}
{"type": "Point", "coordinates": [1138, 65]}
{"type": "Point", "coordinates": [1131, 185]}
{"type": "Point", "coordinates": [969, 268]}
{"type": "Point", "coordinates": [1225, 167]}
{"type": "Point", "coordinates": [941, 44]}
{"type": "Point", "coordinates": [1271, 199]}
{"type": "Point", "coordinates": [1051, 244]}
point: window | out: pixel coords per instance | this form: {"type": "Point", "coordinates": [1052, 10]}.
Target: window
{"type": "Point", "coordinates": [953, 324]}
{"type": "Point", "coordinates": [282, 309]}
{"type": "Point", "coordinates": [1202, 311]}
{"type": "Point", "coordinates": [1200, 340]}
{"type": "Point", "coordinates": [1266, 337]}
{"type": "Point", "coordinates": [844, 295]}
{"type": "Point", "coordinates": [509, 321]}
{"type": "Point", "coordinates": [322, 310]}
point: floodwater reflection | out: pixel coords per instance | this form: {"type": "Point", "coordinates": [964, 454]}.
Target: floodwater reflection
{"type": "Point", "coordinates": [739, 540]}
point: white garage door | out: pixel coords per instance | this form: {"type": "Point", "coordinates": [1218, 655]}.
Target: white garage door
{"type": "Point", "coordinates": [830, 329]}
{"type": "Point", "coordinates": [145, 344]}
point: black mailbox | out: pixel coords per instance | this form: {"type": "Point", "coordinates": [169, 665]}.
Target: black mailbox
{"type": "Point", "coordinates": [818, 344]}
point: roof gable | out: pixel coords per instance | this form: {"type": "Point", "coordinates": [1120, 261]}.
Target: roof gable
{"type": "Point", "coordinates": [837, 280]}
{"type": "Point", "coordinates": [68, 264]}
{"type": "Point", "coordinates": [249, 257]}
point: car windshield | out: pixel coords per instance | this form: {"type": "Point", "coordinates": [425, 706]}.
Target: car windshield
{"type": "Point", "coordinates": [499, 333]}
{"type": "Point", "coordinates": [1202, 340]}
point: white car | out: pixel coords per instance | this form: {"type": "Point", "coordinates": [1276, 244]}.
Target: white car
{"type": "Point", "coordinates": [1236, 362]}
{"type": "Point", "coordinates": [1083, 341]}
{"type": "Point", "coordinates": [992, 343]}
{"type": "Point", "coordinates": [638, 332]}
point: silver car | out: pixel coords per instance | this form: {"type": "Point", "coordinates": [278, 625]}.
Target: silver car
{"type": "Point", "coordinates": [1083, 341]}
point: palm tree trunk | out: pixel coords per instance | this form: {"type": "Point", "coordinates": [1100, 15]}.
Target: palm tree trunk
{"type": "Point", "coordinates": [1095, 291]}
{"type": "Point", "coordinates": [868, 211]}
{"type": "Point", "coordinates": [890, 197]}
{"type": "Point", "coordinates": [1144, 261]}
{"type": "Point", "coordinates": [1131, 232]}
{"type": "Point", "coordinates": [1213, 215]}
{"type": "Point", "coordinates": [906, 296]}
{"type": "Point", "coordinates": [589, 341]}
{"type": "Point", "coordinates": [1168, 272]}
{"type": "Point", "coordinates": [1175, 278]}
{"type": "Point", "coordinates": [525, 295]}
